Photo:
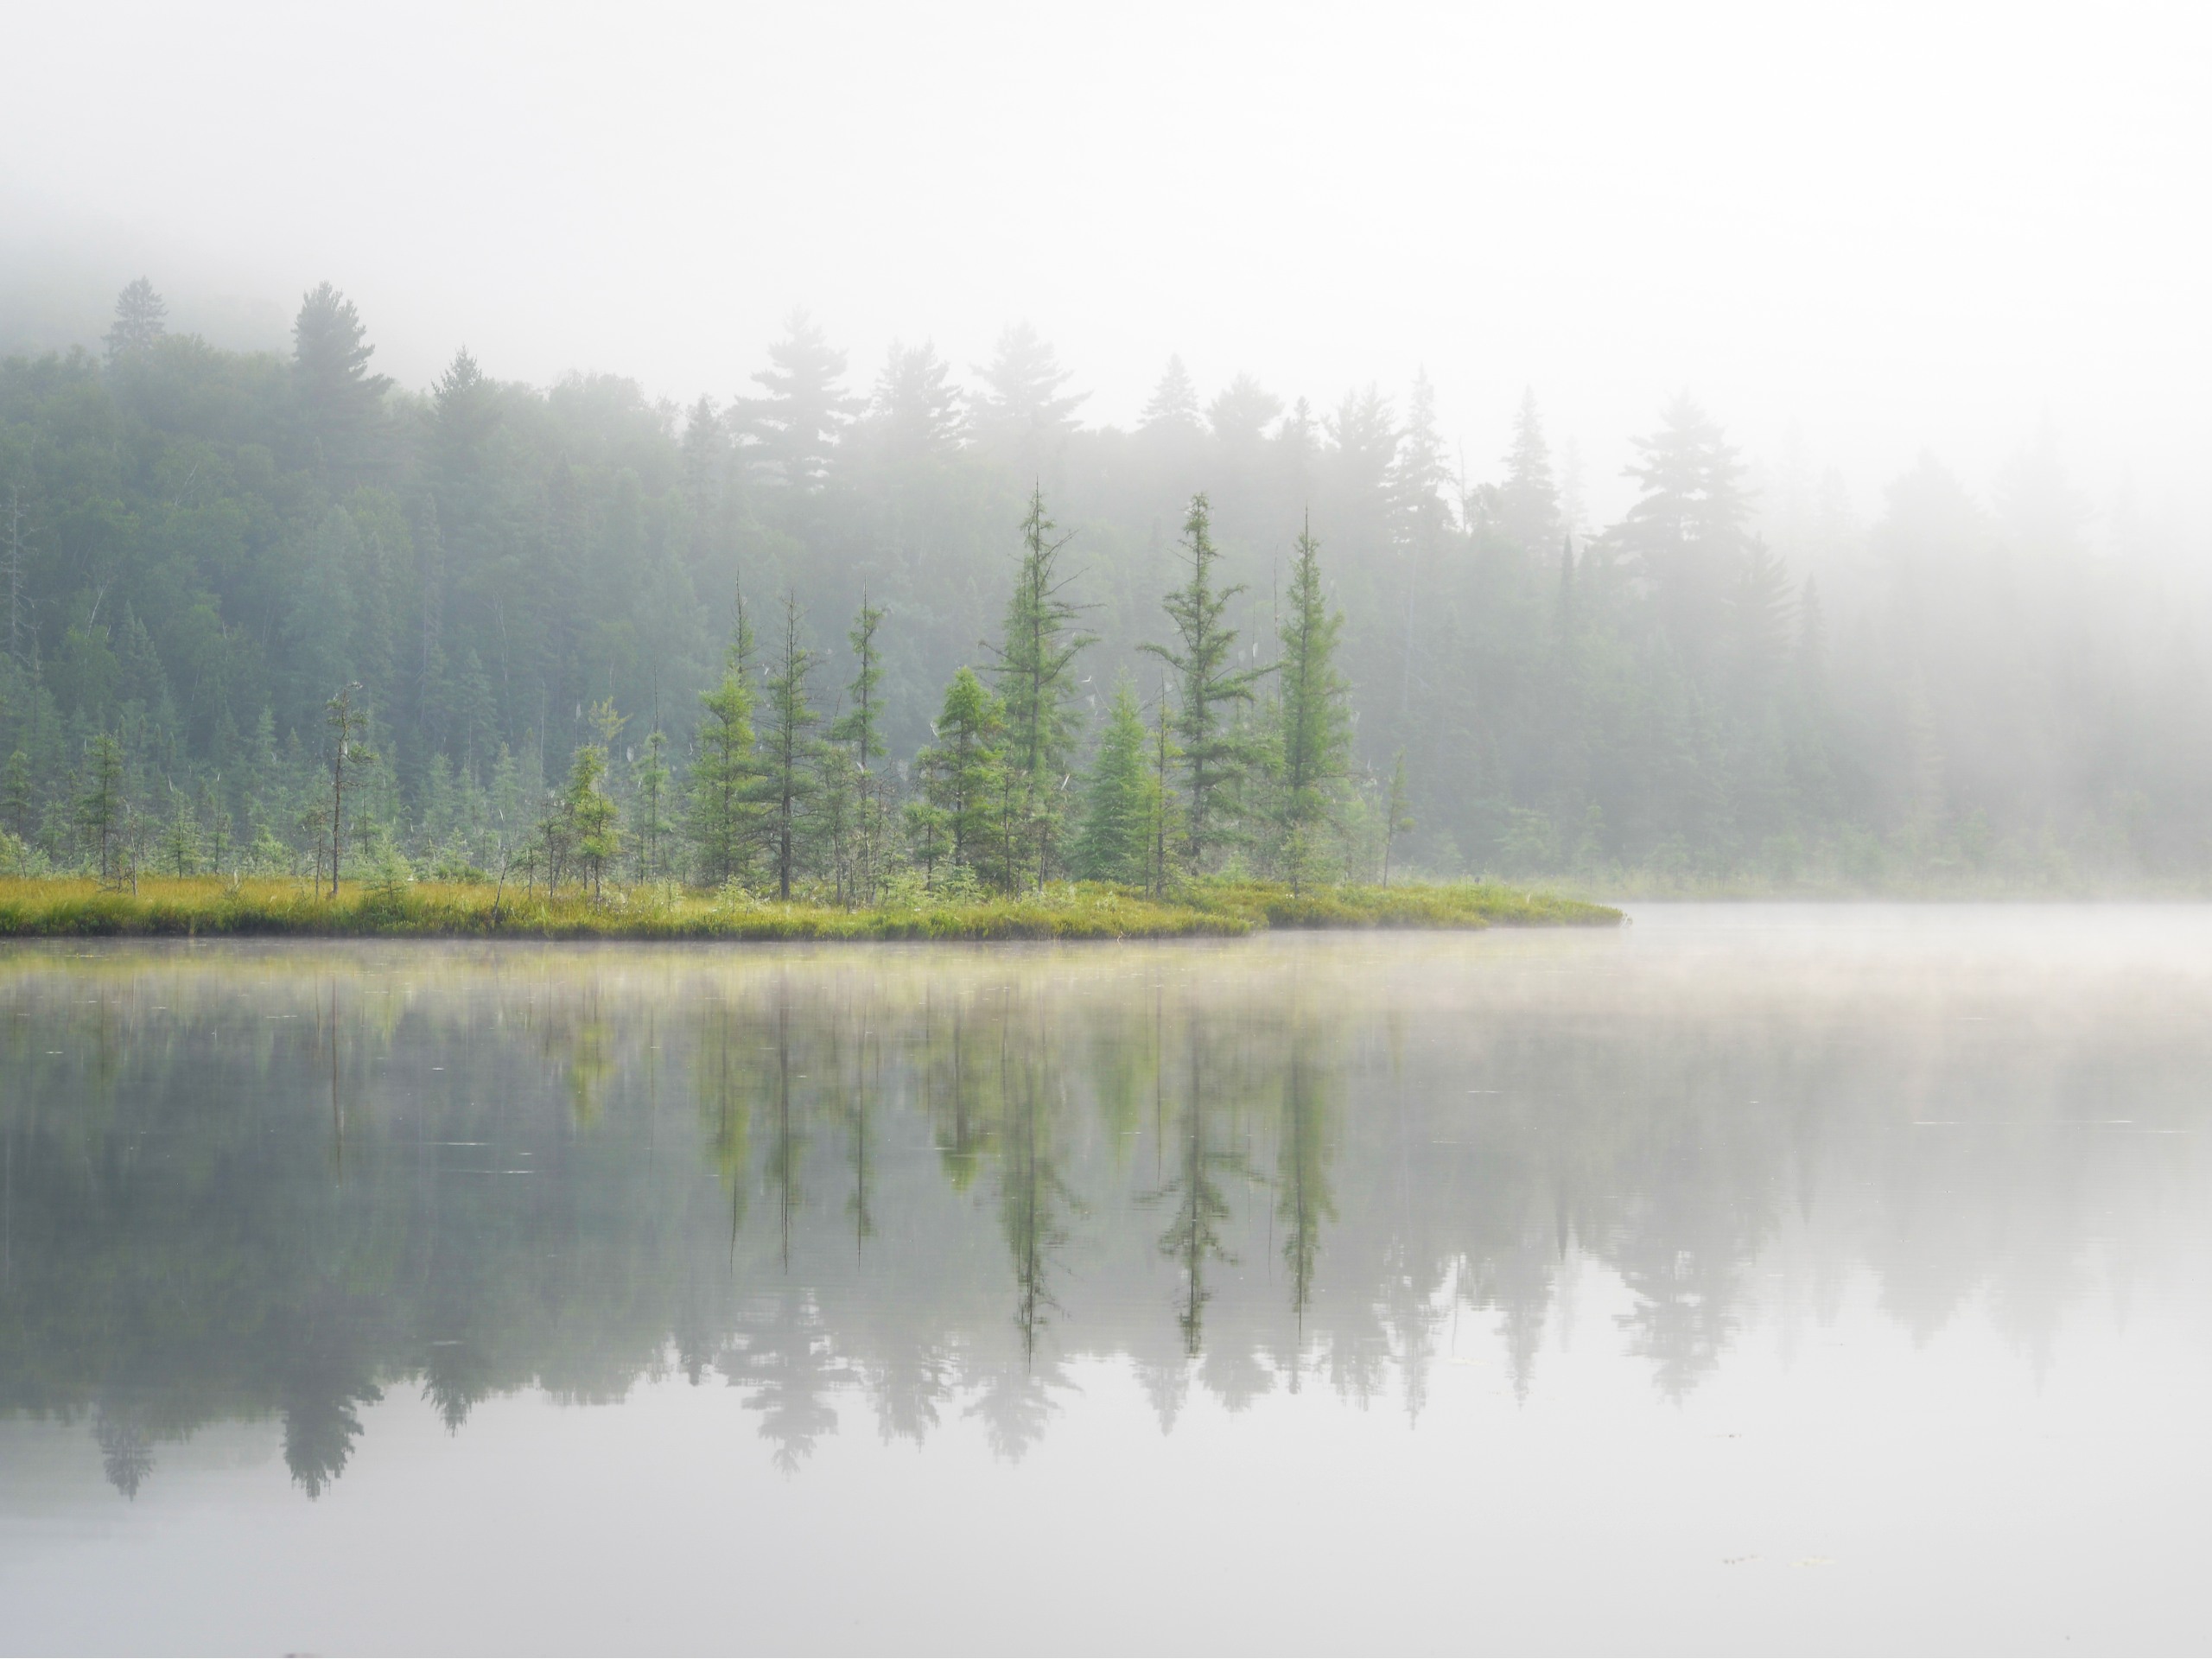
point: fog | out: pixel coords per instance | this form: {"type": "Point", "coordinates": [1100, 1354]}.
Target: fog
{"type": "Point", "coordinates": [1884, 229]}
{"type": "Point", "coordinates": [1745, 445]}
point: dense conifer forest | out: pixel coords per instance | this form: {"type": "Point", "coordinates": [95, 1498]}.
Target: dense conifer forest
{"type": "Point", "coordinates": [925, 625]}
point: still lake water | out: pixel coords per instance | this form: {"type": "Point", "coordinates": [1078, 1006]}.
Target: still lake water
{"type": "Point", "coordinates": [1750, 1277]}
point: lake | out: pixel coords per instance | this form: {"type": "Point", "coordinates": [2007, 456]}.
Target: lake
{"type": "Point", "coordinates": [1749, 1277]}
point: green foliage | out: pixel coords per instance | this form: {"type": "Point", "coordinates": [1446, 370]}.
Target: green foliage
{"type": "Point", "coordinates": [102, 810]}
{"type": "Point", "coordinates": [1215, 754]}
{"type": "Point", "coordinates": [724, 782]}
{"type": "Point", "coordinates": [1313, 739]}
{"type": "Point", "coordinates": [196, 545]}
{"type": "Point", "coordinates": [963, 772]}
{"type": "Point", "coordinates": [1119, 799]}
{"type": "Point", "coordinates": [589, 833]}
{"type": "Point", "coordinates": [391, 903]}
{"type": "Point", "coordinates": [788, 750]}
{"type": "Point", "coordinates": [1034, 672]}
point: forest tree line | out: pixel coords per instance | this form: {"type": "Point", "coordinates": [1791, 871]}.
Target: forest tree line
{"type": "Point", "coordinates": [270, 612]}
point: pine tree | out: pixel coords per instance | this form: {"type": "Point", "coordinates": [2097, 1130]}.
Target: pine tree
{"type": "Point", "coordinates": [1114, 842]}
{"type": "Point", "coordinates": [102, 809]}
{"type": "Point", "coordinates": [590, 822]}
{"type": "Point", "coordinates": [1397, 816]}
{"type": "Point", "coordinates": [1421, 519]}
{"type": "Point", "coordinates": [915, 408]}
{"type": "Point", "coordinates": [650, 823]}
{"type": "Point", "coordinates": [1686, 534]}
{"type": "Point", "coordinates": [1173, 406]}
{"type": "Point", "coordinates": [1214, 758]}
{"type": "Point", "coordinates": [180, 837]}
{"type": "Point", "coordinates": [1528, 502]}
{"type": "Point", "coordinates": [1240, 413]}
{"type": "Point", "coordinates": [16, 796]}
{"type": "Point", "coordinates": [1314, 726]}
{"type": "Point", "coordinates": [705, 467]}
{"type": "Point", "coordinates": [1164, 754]}
{"type": "Point", "coordinates": [723, 803]}
{"type": "Point", "coordinates": [141, 320]}
{"type": "Point", "coordinates": [339, 398]}
{"type": "Point", "coordinates": [797, 425]}
{"type": "Point", "coordinates": [349, 724]}
{"type": "Point", "coordinates": [1034, 672]}
{"type": "Point", "coordinates": [860, 729]}
{"type": "Point", "coordinates": [1022, 415]}
{"type": "Point", "coordinates": [962, 770]}
{"type": "Point", "coordinates": [787, 748]}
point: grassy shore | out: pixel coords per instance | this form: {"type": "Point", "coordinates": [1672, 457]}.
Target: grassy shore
{"type": "Point", "coordinates": [217, 907]}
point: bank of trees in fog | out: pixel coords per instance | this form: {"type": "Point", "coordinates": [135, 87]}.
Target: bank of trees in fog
{"type": "Point", "coordinates": [274, 614]}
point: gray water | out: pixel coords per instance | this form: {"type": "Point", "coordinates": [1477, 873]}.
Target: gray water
{"type": "Point", "coordinates": [1748, 1278]}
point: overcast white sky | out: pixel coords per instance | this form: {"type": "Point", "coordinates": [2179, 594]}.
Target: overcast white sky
{"type": "Point", "coordinates": [1898, 228]}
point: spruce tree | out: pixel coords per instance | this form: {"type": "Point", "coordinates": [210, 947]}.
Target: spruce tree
{"type": "Point", "coordinates": [787, 747]}
{"type": "Point", "coordinates": [961, 771]}
{"type": "Point", "coordinates": [101, 807]}
{"type": "Point", "coordinates": [1528, 502]}
{"type": "Point", "coordinates": [180, 837]}
{"type": "Point", "coordinates": [1398, 816]}
{"type": "Point", "coordinates": [916, 410]}
{"type": "Point", "coordinates": [339, 398]}
{"type": "Point", "coordinates": [1034, 672]}
{"type": "Point", "coordinates": [1022, 415]}
{"type": "Point", "coordinates": [1314, 729]}
{"type": "Point", "coordinates": [16, 799]}
{"type": "Point", "coordinates": [650, 825]}
{"type": "Point", "coordinates": [860, 730]}
{"type": "Point", "coordinates": [349, 724]}
{"type": "Point", "coordinates": [141, 320]}
{"type": "Point", "coordinates": [797, 425]}
{"type": "Point", "coordinates": [1214, 756]}
{"type": "Point", "coordinates": [724, 807]}
{"type": "Point", "coordinates": [1114, 842]}
{"type": "Point", "coordinates": [1686, 534]}
{"type": "Point", "coordinates": [590, 821]}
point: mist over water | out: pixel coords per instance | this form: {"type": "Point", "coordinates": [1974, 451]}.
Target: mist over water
{"type": "Point", "coordinates": [1755, 1247]}
{"type": "Point", "coordinates": [1046, 471]}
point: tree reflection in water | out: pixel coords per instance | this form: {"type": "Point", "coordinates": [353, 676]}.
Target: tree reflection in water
{"type": "Point", "coordinates": [279, 1182]}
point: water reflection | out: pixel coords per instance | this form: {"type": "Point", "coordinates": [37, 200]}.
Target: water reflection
{"type": "Point", "coordinates": [275, 1183]}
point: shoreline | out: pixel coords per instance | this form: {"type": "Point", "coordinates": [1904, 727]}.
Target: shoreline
{"type": "Point", "coordinates": [217, 907]}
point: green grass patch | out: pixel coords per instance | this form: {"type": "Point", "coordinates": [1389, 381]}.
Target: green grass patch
{"type": "Point", "coordinates": [212, 907]}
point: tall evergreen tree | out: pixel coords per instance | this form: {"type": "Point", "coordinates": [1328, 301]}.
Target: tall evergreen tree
{"type": "Point", "coordinates": [797, 425]}
{"type": "Point", "coordinates": [915, 407]}
{"type": "Point", "coordinates": [962, 770]}
{"type": "Point", "coordinates": [1114, 841]}
{"type": "Point", "coordinates": [1240, 413]}
{"type": "Point", "coordinates": [349, 724]}
{"type": "Point", "coordinates": [1528, 502]}
{"type": "Point", "coordinates": [1023, 415]}
{"type": "Point", "coordinates": [590, 821]}
{"type": "Point", "coordinates": [1034, 673]}
{"type": "Point", "coordinates": [1314, 726]}
{"type": "Point", "coordinates": [103, 807]}
{"type": "Point", "coordinates": [651, 824]}
{"type": "Point", "coordinates": [1173, 406]}
{"type": "Point", "coordinates": [860, 729]}
{"type": "Point", "coordinates": [1397, 812]}
{"type": "Point", "coordinates": [787, 747]}
{"type": "Point", "coordinates": [1684, 534]}
{"type": "Point", "coordinates": [141, 320]}
{"type": "Point", "coordinates": [339, 398]}
{"type": "Point", "coordinates": [724, 805]}
{"type": "Point", "coordinates": [1210, 686]}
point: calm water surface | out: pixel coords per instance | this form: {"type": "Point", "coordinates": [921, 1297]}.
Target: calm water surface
{"type": "Point", "coordinates": [1756, 1277]}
